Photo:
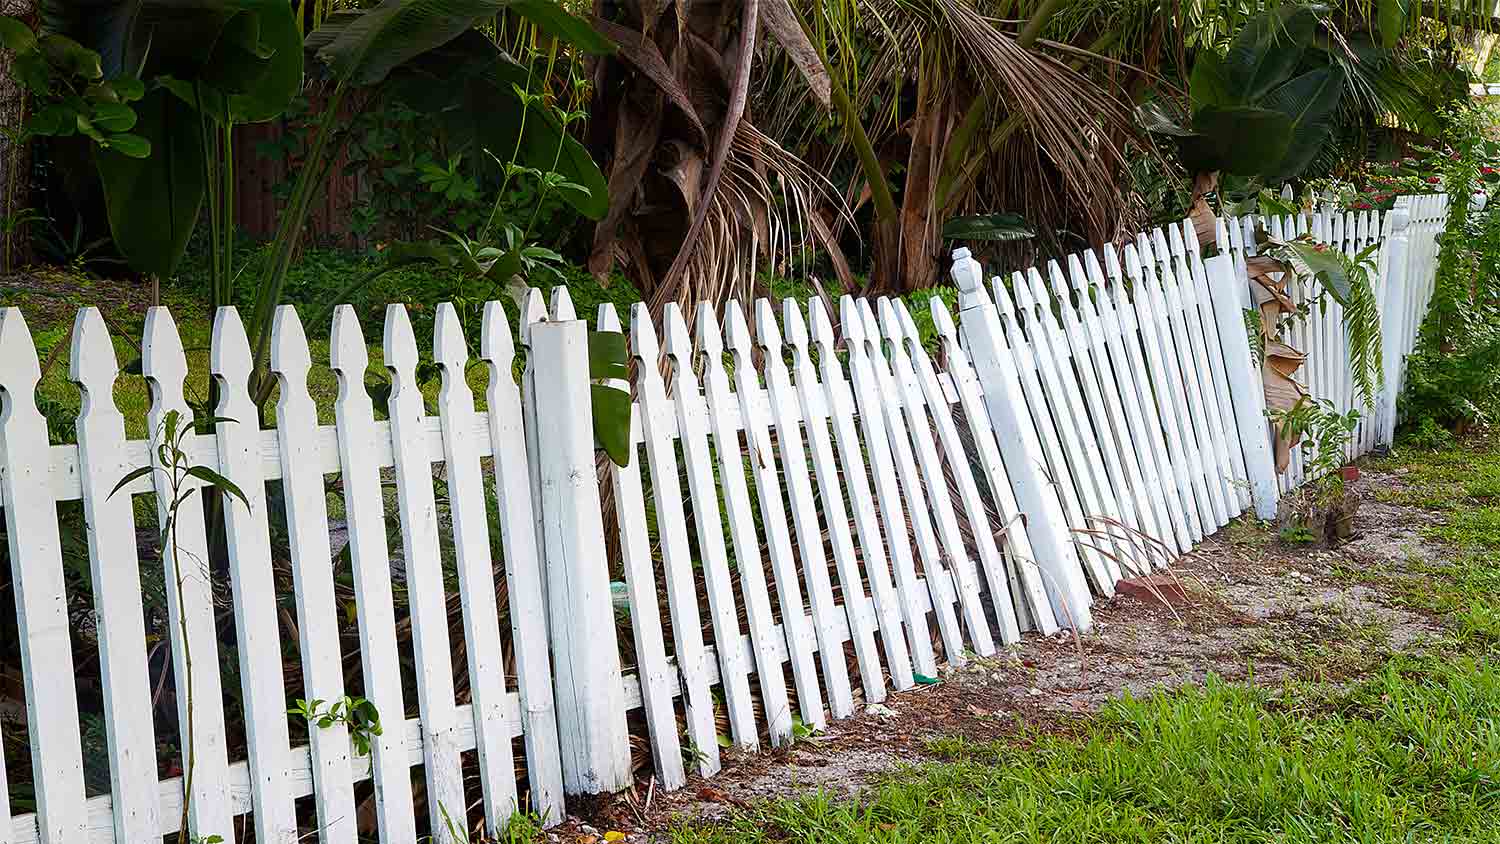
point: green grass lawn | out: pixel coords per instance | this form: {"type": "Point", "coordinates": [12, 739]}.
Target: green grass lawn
{"type": "Point", "coordinates": [1410, 753]}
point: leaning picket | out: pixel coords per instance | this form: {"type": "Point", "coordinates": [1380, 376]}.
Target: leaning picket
{"type": "Point", "coordinates": [941, 588]}
{"type": "Point", "coordinates": [692, 424]}
{"type": "Point", "coordinates": [1085, 464]}
{"type": "Point", "coordinates": [1099, 401]}
{"type": "Point", "coordinates": [1029, 593]}
{"type": "Point", "coordinates": [830, 402]}
{"type": "Point", "coordinates": [657, 421]}
{"type": "Point", "coordinates": [882, 467]}
{"type": "Point", "coordinates": [1205, 331]}
{"type": "Point", "coordinates": [749, 400]}
{"type": "Point", "coordinates": [1027, 356]}
{"type": "Point", "coordinates": [1085, 322]}
{"type": "Point", "coordinates": [523, 575]}
{"type": "Point", "coordinates": [902, 332]}
{"type": "Point", "coordinates": [1142, 325]}
{"type": "Point", "coordinates": [1121, 473]}
{"type": "Point", "coordinates": [652, 670]}
{"type": "Point", "coordinates": [960, 575]}
{"type": "Point", "coordinates": [744, 539]}
{"type": "Point", "coordinates": [783, 407]}
{"type": "Point", "coordinates": [1122, 352]}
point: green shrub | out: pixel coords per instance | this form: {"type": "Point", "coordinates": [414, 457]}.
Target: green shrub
{"type": "Point", "coordinates": [1453, 378]}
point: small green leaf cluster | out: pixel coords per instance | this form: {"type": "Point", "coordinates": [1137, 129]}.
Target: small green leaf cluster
{"type": "Point", "coordinates": [69, 91]}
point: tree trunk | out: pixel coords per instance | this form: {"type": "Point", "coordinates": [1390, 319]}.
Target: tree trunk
{"type": "Point", "coordinates": [15, 160]}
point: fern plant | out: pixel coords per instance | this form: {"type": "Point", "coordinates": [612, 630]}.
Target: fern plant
{"type": "Point", "coordinates": [1345, 280]}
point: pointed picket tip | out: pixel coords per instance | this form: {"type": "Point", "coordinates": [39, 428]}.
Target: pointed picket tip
{"type": "Point", "coordinates": [1221, 235]}
{"type": "Point", "coordinates": [1004, 300]}
{"type": "Point", "coordinates": [1056, 280]}
{"type": "Point", "coordinates": [1112, 261]}
{"type": "Point", "coordinates": [230, 359]}
{"type": "Point", "coordinates": [851, 321]}
{"type": "Point", "coordinates": [91, 358]}
{"type": "Point", "coordinates": [706, 326]}
{"type": "Point", "coordinates": [822, 326]}
{"type": "Point", "coordinates": [496, 344]}
{"type": "Point", "coordinates": [794, 325]}
{"type": "Point", "coordinates": [19, 369]}
{"type": "Point", "coordinates": [448, 347]}
{"type": "Point", "coordinates": [1145, 249]}
{"type": "Point", "coordinates": [347, 354]}
{"type": "Point", "coordinates": [399, 342]}
{"type": "Point", "coordinates": [1027, 286]}
{"type": "Point", "coordinates": [1190, 236]}
{"type": "Point", "coordinates": [737, 331]}
{"type": "Point", "coordinates": [162, 359]}
{"type": "Point", "coordinates": [533, 311]}
{"type": "Point", "coordinates": [1078, 279]}
{"type": "Point", "coordinates": [1159, 245]}
{"type": "Point", "coordinates": [766, 330]}
{"type": "Point", "coordinates": [643, 343]}
{"type": "Point", "coordinates": [890, 326]}
{"type": "Point", "coordinates": [290, 356]}
{"type": "Point", "coordinates": [909, 325]}
{"type": "Point", "coordinates": [679, 342]}
{"type": "Point", "coordinates": [562, 304]}
{"type": "Point", "coordinates": [607, 319]}
{"type": "Point", "coordinates": [942, 319]}
{"type": "Point", "coordinates": [1093, 272]}
{"type": "Point", "coordinates": [1133, 261]}
{"type": "Point", "coordinates": [872, 325]}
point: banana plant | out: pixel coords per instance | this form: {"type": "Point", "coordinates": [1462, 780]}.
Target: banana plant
{"type": "Point", "coordinates": [1261, 111]}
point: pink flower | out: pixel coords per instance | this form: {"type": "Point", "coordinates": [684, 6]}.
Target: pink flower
{"type": "Point", "coordinates": [1433, 180]}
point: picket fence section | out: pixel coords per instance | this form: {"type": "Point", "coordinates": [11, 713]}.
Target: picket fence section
{"type": "Point", "coordinates": [1402, 272]}
{"type": "Point", "coordinates": [814, 514]}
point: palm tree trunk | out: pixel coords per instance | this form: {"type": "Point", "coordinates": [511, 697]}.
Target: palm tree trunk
{"type": "Point", "coordinates": [15, 159]}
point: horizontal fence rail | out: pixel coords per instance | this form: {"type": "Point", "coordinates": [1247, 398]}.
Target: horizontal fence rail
{"type": "Point", "coordinates": [824, 503]}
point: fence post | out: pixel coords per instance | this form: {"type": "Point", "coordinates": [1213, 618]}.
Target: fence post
{"type": "Point", "coordinates": [1019, 445]}
{"type": "Point", "coordinates": [585, 654]}
{"type": "Point", "coordinates": [1246, 391]}
{"type": "Point", "coordinates": [1392, 319]}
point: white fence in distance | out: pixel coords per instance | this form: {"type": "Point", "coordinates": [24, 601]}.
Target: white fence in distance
{"type": "Point", "coordinates": [851, 503]}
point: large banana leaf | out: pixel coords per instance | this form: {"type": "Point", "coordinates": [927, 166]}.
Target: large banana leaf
{"type": "Point", "coordinates": [153, 202]}
{"type": "Point", "coordinates": [1267, 50]}
{"type": "Point", "coordinates": [246, 50]}
{"type": "Point", "coordinates": [1309, 101]}
{"type": "Point", "coordinates": [1240, 139]}
{"type": "Point", "coordinates": [362, 48]}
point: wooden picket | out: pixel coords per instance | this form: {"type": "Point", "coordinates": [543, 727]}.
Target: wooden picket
{"type": "Point", "coordinates": [1101, 415]}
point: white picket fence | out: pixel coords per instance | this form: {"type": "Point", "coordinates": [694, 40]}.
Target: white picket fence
{"type": "Point", "coordinates": [1402, 280]}
{"type": "Point", "coordinates": [1079, 423]}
